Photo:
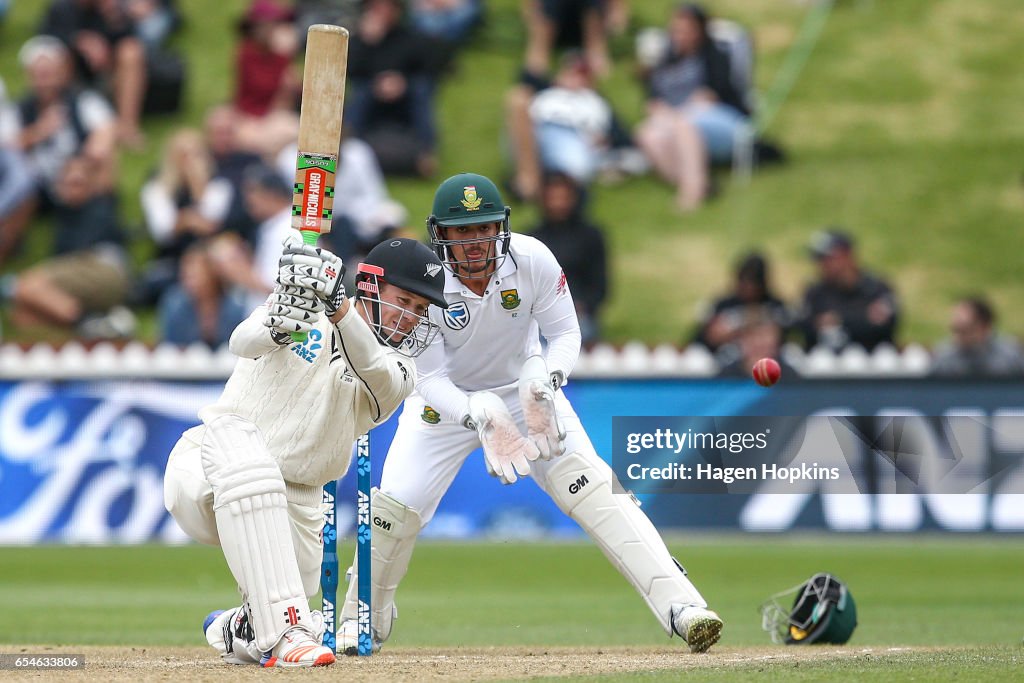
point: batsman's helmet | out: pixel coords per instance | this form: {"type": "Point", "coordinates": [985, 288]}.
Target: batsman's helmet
{"type": "Point", "coordinates": [409, 265]}
{"type": "Point", "coordinates": [469, 199]}
{"type": "Point", "coordinates": [822, 611]}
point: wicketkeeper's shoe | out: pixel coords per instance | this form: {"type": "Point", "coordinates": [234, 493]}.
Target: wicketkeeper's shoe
{"type": "Point", "coordinates": [348, 638]}
{"type": "Point", "coordinates": [699, 627]}
{"type": "Point", "coordinates": [297, 648]}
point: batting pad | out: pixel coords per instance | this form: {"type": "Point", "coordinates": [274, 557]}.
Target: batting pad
{"type": "Point", "coordinates": [395, 527]}
{"type": "Point", "coordinates": [582, 487]}
{"type": "Point", "coordinates": [252, 520]}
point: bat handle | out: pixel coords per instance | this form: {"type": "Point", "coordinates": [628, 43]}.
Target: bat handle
{"type": "Point", "coordinates": [309, 237]}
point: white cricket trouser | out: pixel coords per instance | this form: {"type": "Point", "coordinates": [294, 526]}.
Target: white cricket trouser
{"type": "Point", "coordinates": [189, 498]}
{"type": "Point", "coordinates": [424, 458]}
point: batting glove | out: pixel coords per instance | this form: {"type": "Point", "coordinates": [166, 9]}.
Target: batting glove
{"type": "Point", "coordinates": [315, 269]}
{"type": "Point", "coordinates": [537, 396]}
{"type": "Point", "coordinates": [506, 451]}
{"type": "Point", "coordinates": [291, 309]}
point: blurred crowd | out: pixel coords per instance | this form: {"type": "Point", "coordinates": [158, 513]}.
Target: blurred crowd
{"type": "Point", "coordinates": [218, 203]}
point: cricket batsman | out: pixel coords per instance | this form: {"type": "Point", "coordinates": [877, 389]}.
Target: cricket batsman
{"type": "Point", "coordinates": [484, 381]}
{"type": "Point", "coordinates": [250, 477]}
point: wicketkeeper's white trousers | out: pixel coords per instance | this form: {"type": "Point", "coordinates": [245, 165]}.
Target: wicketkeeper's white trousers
{"type": "Point", "coordinates": [424, 458]}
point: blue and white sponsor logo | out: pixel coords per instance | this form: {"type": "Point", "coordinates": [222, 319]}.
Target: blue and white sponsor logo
{"type": "Point", "coordinates": [84, 462]}
{"type": "Point", "coordinates": [456, 316]}
{"type": "Point", "coordinates": [310, 348]}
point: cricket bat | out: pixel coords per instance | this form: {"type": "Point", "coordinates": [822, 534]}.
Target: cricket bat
{"type": "Point", "coordinates": [323, 99]}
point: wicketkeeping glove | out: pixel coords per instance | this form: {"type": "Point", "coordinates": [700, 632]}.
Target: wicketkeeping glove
{"type": "Point", "coordinates": [537, 396]}
{"type": "Point", "coordinates": [291, 309]}
{"type": "Point", "coordinates": [315, 269]}
{"type": "Point", "coordinates": [506, 451]}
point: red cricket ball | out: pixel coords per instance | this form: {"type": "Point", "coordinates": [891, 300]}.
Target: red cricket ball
{"type": "Point", "coordinates": [766, 372]}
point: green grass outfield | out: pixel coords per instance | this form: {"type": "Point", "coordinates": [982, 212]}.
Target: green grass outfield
{"type": "Point", "coordinates": [961, 594]}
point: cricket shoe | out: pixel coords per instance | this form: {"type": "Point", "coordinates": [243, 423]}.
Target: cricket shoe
{"type": "Point", "coordinates": [229, 633]}
{"type": "Point", "coordinates": [348, 638]}
{"type": "Point", "coordinates": [699, 627]}
{"type": "Point", "coordinates": [297, 648]}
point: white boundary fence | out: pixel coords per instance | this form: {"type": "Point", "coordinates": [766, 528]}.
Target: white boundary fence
{"type": "Point", "coordinates": [634, 359]}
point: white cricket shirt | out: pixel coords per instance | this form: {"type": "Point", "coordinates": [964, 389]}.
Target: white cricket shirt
{"type": "Point", "coordinates": [311, 400]}
{"type": "Point", "coordinates": [485, 339]}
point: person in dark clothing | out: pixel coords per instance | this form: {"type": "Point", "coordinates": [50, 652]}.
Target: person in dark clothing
{"type": "Point", "coordinates": [86, 279]}
{"type": "Point", "coordinates": [392, 73]}
{"type": "Point", "coordinates": [848, 305]}
{"type": "Point", "coordinates": [102, 37]}
{"type": "Point", "coordinates": [572, 24]}
{"type": "Point", "coordinates": [752, 293]}
{"type": "Point", "coordinates": [975, 348]}
{"type": "Point", "coordinates": [694, 110]}
{"type": "Point", "coordinates": [578, 245]}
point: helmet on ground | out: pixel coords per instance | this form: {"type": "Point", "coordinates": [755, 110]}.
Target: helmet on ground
{"type": "Point", "coordinates": [822, 611]}
{"type": "Point", "coordinates": [462, 200]}
{"type": "Point", "coordinates": [409, 265]}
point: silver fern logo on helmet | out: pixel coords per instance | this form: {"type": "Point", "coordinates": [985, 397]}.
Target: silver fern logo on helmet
{"type": "Point", "coordinates": [433, 269]}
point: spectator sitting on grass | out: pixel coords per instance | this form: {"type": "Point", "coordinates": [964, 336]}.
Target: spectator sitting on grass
{"type": "Point", "coordinates": [102, 36]}
{"type": "Point", "coordinates": [184, 202]}
{"type": "Point", "coordinates": [569, 24]}
{"type": "Point", "coordinates": [54, 122]}
{"type": "Point", "coordinates": [267, 84]}
{"type": "Point", "coordinates": [751, 294]}
{"type": "Point", "coordinates": [975, 349]}
{"type": "Point", "coordinates": [201, 306]}
{"type": "Point", "coordinates": [563, 128]}
{"type": "Point", "coordinates": [847, 306]}
{"type": "Point", "coordinates": [694, 110]}
{"type": "Point", "coordinates": [392, 73]}
{"type": "Point", "coordinates": [82, 285]}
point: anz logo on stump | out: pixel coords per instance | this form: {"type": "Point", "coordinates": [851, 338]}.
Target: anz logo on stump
{"type": "Point", "coordinates": [456, 316]}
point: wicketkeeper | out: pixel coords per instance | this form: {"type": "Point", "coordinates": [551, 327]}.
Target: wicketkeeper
{"type": "Point", "coordinates": [485, 380]}
{"type": "Point", "coordinates": [250, 477]}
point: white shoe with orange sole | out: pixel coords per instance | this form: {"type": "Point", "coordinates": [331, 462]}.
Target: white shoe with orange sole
{"type": "Point", "coordinates": [297, 648]}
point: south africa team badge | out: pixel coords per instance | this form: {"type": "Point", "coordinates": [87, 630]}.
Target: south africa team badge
{"type": "Point", "coordinates": [472, 200]}
{"type": "Point", "coordinates": [430, 416]}
{"type": "Point", "coordinates": [510, 299]}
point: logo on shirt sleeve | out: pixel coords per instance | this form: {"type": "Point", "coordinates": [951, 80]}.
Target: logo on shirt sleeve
{"type": "Point", "coordinates": [510, 299]}
{"type": "Point", "coordinates": [563, 286]}
{"type": "Point", "coordinates": [456, 316]}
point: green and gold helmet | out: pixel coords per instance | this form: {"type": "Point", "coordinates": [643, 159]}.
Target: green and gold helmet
{"type": "Point", "coordinates": [820, 610]}
{"type": "Point", "coordinates": [469, 199]}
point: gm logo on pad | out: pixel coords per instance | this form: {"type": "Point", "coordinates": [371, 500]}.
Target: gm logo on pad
{"type": "Point", "coordinates": [456, 316]}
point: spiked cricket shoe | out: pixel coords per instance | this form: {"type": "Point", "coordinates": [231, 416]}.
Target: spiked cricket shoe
{"type": "Point", "coordinates": [699, 627]}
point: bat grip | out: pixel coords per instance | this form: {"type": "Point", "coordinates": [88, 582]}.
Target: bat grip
{"type": "Point", "coordinates": [309, 237]}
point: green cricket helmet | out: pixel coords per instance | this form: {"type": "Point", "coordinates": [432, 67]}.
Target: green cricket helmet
{"type": "Point", "coordinates": [822, 611]}
{"type": "Point", "coordinates": [463, 200]}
